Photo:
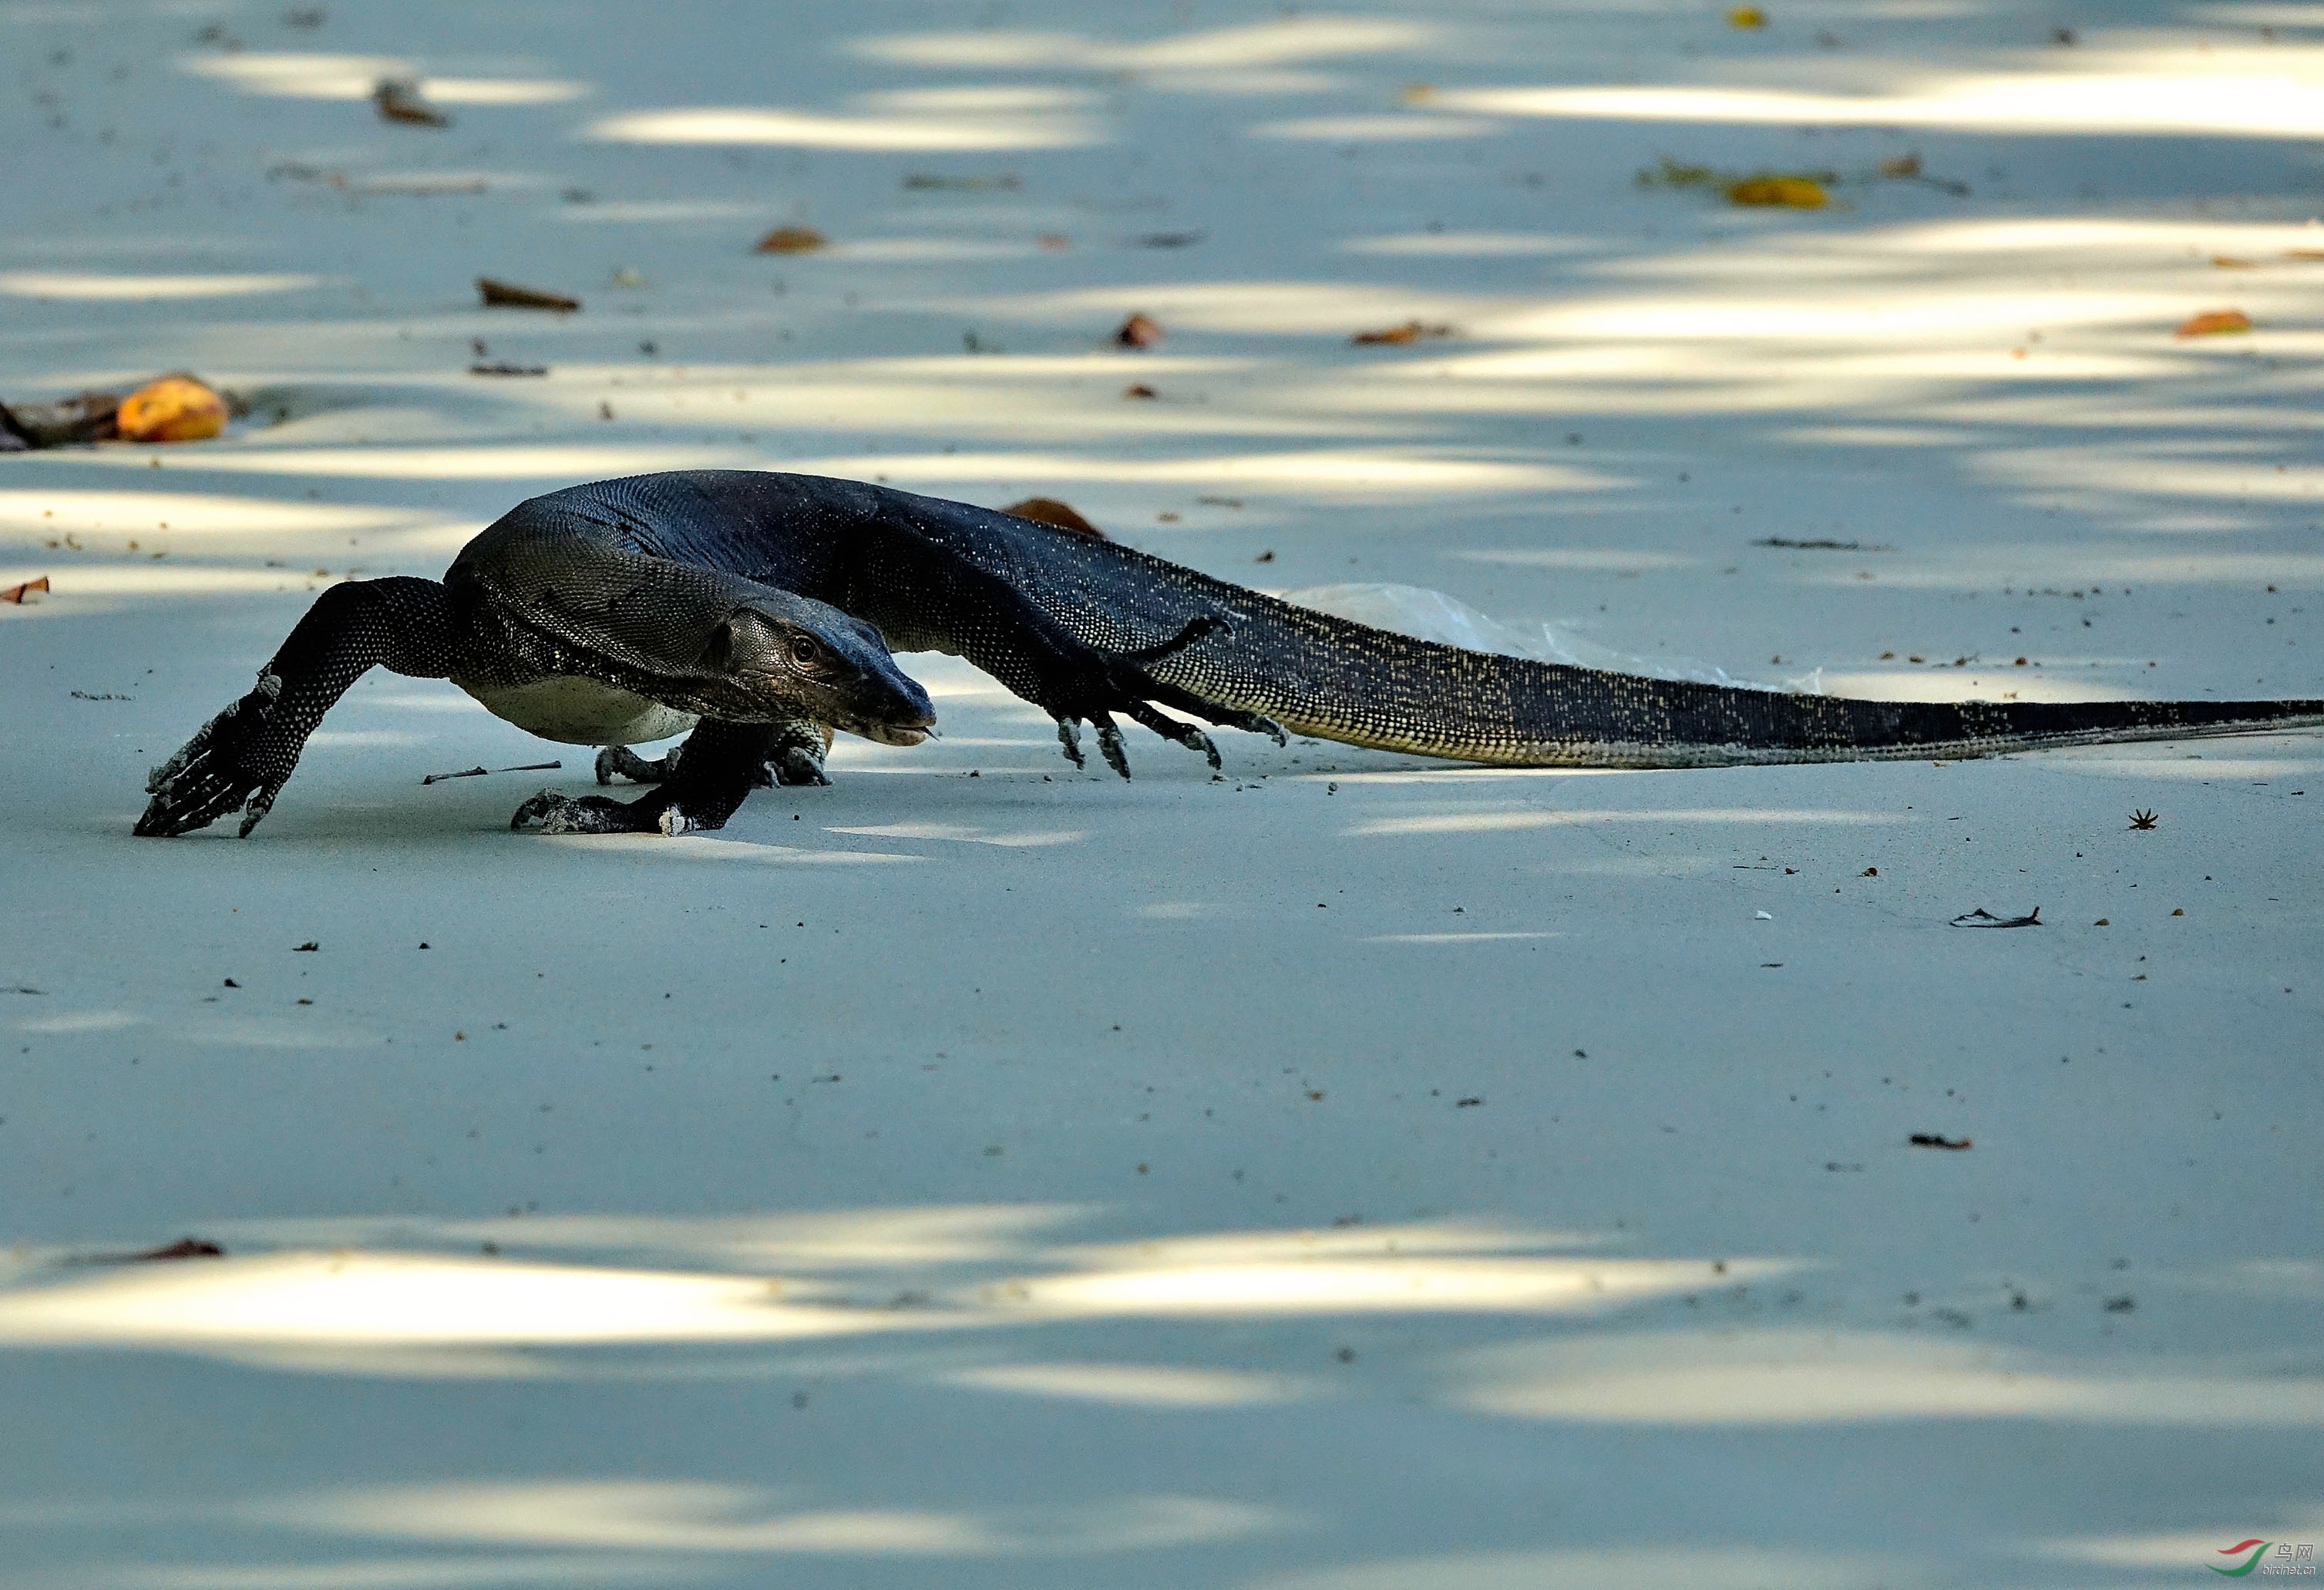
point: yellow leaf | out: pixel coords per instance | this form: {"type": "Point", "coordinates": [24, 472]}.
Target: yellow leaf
{"type": "Point", "coordinates": [174, 408]}
{"type": "Point", "coordinates": [1747, 16]}
{"type": "Point", "coordinates": [2215, 323]}
{"type": "Point", "coordinates": [1798, 193]}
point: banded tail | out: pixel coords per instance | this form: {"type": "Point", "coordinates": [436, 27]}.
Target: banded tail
{"type": "Point", "coordinates": [1336, 679]}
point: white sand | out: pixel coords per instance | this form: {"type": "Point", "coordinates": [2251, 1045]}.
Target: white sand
{"type": "Point", "coordinates": [1030, 1180]}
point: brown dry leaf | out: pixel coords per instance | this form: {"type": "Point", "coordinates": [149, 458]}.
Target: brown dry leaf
{"type": "Point", "coordinates": [792, 240]}
{"type": "Point", "coordinates": [1418, 93]}
{"type": "Point", "coordinates": [1747, 16]}
{"type": "Point", "coordinates": [174, 408]}
{"type": "Point", "coordinates": [508, 295]}
{"type": "Point", "coordinates": [14, 594]}
{"type": "Point", "coordinates": [1798, 193]}
{"type": "Point", "coordinates": [400, 102]}
{"type": "Point", "coordinates": [2215, 323]}
{"type": "Point", "coordinates": [1140, 331]}
{"type": "Point", "coordinates": [1141, 390]}
{"type": "Point", "coordinates": [2304, 254]}
{"type": "Point", "coordinates": [2230, 262]}
{"type": "Point", "coordinates": [1411, 331]}
{"type": "Point", "coordinates": [1049, 511]}
{"type": "Point", "coordinates": [1904, 166]}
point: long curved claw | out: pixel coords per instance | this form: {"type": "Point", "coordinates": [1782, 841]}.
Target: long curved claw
{"type": "Point", "coordinates": [1184, 734]}
{"type": "Point", "coordinates": [1069, 737]}
{"type": "Point", "coordinates": [1109, 745]}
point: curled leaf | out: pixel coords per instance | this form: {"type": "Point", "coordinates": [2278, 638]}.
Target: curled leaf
{"type": "Point", "coordinates": [1049, 511]}
{"type": "Point", "coordinates": [1140, 331]}
{"type": "Point", "coordinates": [14, 594]}
{"type": "Point", "coordinates": [1411, 331]}
{"type": "Point", "coordinates": [174, 408]}
{"type": "Point", "coordinates": [792, 240]}
{"type": "Point", "coordinates": [508, 295]}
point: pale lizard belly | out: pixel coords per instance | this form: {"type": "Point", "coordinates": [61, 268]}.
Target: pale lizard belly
{"type": "Point", "coordinates": [580, 711]}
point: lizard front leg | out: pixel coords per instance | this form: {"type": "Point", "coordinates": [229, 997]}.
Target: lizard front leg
{"type": "Point", "coordinates": [240, 758]}
{"type": "Point", "coordinates": [717, 767]}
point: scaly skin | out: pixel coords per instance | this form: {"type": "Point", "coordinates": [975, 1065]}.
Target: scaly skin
{"type": "Point", "coordinates": [764, 605]}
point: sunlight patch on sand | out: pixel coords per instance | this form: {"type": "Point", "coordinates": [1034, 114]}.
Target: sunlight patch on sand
{"type": "Point", "coordinates": [96, 287]}
{"type": "Point", "coordinates": [1513, 821]}
{"type": "Point", "coordinates": [293, 75]}
{"type": "Point", "coordinates": [1159, 1386]}
{"type": "Point", "coordinates": [1004, 117]}
{"type": "Point", "coordinates": [1786, 1377]}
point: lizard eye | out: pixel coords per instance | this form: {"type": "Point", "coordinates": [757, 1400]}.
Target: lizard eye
{"type": "Point", "coordinates": [804, 653]}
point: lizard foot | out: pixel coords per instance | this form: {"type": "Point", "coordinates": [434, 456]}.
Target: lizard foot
{"type": "Point", "coordinates": [562, 814]}
{"type": "Point", "coordinates": [227, 766]}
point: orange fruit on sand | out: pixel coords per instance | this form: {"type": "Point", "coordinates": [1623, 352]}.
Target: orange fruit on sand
{"type": "Point", "coordinates": [174, 408]}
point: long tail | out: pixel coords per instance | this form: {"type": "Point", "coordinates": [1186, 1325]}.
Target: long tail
{"type": "Point", "coordinates": [1337, 679]}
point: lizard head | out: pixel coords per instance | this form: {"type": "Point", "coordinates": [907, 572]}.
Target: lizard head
{"type": "Point", "coordinates": [797, 657]}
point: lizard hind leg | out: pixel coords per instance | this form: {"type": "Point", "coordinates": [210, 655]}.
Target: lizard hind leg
{"type": "Point", "coordinates": [717, 767]}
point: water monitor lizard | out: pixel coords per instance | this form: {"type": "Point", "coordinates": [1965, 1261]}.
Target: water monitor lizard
{"type": "Point", "coordinates": [760, 610]}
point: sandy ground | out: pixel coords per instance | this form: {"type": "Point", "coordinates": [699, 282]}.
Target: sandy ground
{"type": "Point", "coordinates": [1350, 1172]}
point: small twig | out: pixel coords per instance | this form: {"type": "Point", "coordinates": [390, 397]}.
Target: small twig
{"type": "Point", "coordinates": [480, 772]}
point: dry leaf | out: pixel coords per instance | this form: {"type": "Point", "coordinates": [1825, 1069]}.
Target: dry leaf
{"type": "Point", "coordinates": [14, 594]}
{"type": "Point", "coordinates": [400, 102]}
{"type": "Point", "coordinates": [508, 295]}
{"type": "Point", "coordinates": [174, 408]}
{"type": "Point", "coordinates": [1902, 167]}
{"type": "Point", "coordinates": [1747, 16]}
{"type": "Point", "coordinates": [2304, 254]}
{"type": "Point", "coordinates": [508, 370]}
{"type": "Point", "coordinates": [1798, 193]}
{"type": "Point", "coordinates": [2230, 262]}
{"type": "Point", "coordinates": [1049, 510]}
{"type": "Point", "coordinates": [1411, 331]}
{"type": "Point", "coordinates": [1141, 390]}
{"type": "Point", "coordinates": [1418, 93]}
{"type": "Point", "coordinates": [2215, 322]}
{"type": "Point", "coordinates": [1140, 331]}
{"type": "Point", "coordinates": [792, 240]}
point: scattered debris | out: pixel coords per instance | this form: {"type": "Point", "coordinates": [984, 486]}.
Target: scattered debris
{"type": "Point", "coordinates": [14, 596]}
{"type": "Point", "coordinates": [791, 240]}
{"type": "Point", "coordinates": [1467, 1103]}
{"type": "Point", "coordinates": [1049, 511]}
{"type": "Point", "coordinates": [1055, 243]}
{"type": "Point", "coordinates": [479, 772]}
{"type": "Point", "coordinates": [1931, 1140]}
{"type": "Point", "coordinates": [1169, 239]}
{"type": "Point", "coordinates": [2122, 1304]}
{"type": "Point", "coordinates": [1802, 190]}
{"type": "Point", "coordinates": [2230, 262]}
{"type": "Point", "coordinates": [627, 276]}
{"type": "Point", "coordinates": [933, 181]}
{"type": "Point", "coordinates": [1411, 331]}
{"type": "Point", "coordinates": [1981, 917]}
{"type": "Point", "coordinates": [1747, 16]}
{"type": "Point", "coordinates": [1869, 872]}
{"type": "Point", "coordinates": [1140, 331]}
{"type": "Point", "coordinates": [2102, 922]}
{"type": "Point", "coordinates": [398, 100]}
{"type": "Point", "coordinates": [1213, 502]}
{"type": "Point", "coordinates": [1907, 167]}
{"type": "Point", "coordinates": [309, 948]}
{"type": "Point", "coordinates": [505, 369]}
{"type": "Point", "coordinates": [2143, 819]}
{"type": "Point", "coordinates": [1786, 542]}
{"type": "Point", "coordinates": [508, 295]}
{"type": "Point", "coordinates": [2214, 323]}
{"type": "Point", "coordinates": [2064, 36]}
{"type": "Point", "coordinates": [1140, 390]}
{"type": "Point", "coordinates": [1417, 93]}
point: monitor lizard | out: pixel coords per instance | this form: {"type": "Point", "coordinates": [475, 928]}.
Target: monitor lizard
{"type": "Point", "coordinates": [760, 610]}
